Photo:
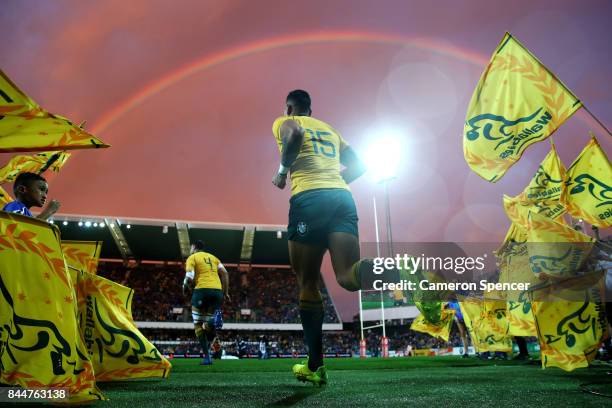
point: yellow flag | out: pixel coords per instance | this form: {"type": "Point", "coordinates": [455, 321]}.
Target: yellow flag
{"type": "Point", "coordinates": [516, 103]}
{"type": "Point", "coordinates": [25, 126]}
{"type": "Point", "coordinates": [487, 324]}
{"type": "Point", "coordinates": [439, 329]}
{"type": "Point", "coordinates": [521, 321]}
{"type": "Point", "coordinates": [543, 192]}
{"type": "Point", "coordinates": [493, 329]}
{"type": "Point", "coordinates": [516, 233]}
{"type": "Point", "coordinates": [5, 198]}
{"type": "Point", "coordinates": [556, 250]}
{"type": "Point", "coordinates": [470, 309]}
{"type": "Point", "coordinates": [514, 267]}
{"type": "Point", "coordinates": [53, 161]}
{"type": "Point", "coordinates": [117, 348]}
{"type": "Point", "coordinates": [518, 212]}
{"type": "Point", "coordinates": [588, 188]}
{"type": "Point", "coordinates": [82, 255]}
{"type": "Point", "coordinates": [547, 183]}
{"type": "Point", "coordinates": [570, 332]}
{"type": "Point", "coordinates": [41, 343]}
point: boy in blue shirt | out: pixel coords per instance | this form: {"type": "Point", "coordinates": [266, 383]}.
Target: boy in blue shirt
{"type": "Point", "coordinates": [31, 190]}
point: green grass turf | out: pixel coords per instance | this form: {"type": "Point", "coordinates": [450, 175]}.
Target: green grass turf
{"type": "Point", "coordinates": [415, 382]}
{"type": "Point", "coordinates": [375, 304]}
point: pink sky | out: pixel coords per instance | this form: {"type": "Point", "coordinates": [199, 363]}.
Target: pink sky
{"type": "Point", "coordinates": [201, 148]}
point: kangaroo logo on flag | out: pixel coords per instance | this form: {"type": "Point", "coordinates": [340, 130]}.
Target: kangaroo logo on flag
{"type": "Point", "coordinates": [545, 186]}
{"type": "Point", "coordinates": [576, 323]}
{"type": "Point", "coordinates": [587, 191]}
{"type": "Point", "coordinates": [549, 264]}
{"type": "Point", "coordinates": [498, 129]}
{"type": "Point", "coordinates": [502, 125]}
{"type": "Point", "coordinates": [523, 303]}
{"type": "Point", "coordinates": [570, 332]}
{"type": "Point", "coordinates": [599, 190]}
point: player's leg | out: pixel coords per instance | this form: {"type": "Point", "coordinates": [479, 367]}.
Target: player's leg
{"type": "Point", "coordinates": [306, 262]}
{"type": "Point", "coordinates": [198, 318]}
{"type": "Point", "coordinates": [521, 342]}
{"type": "Point", "coordinates": [463, 334]}
{"type": "Point", "coordinates": [344, 251]}
{"type": "Point", "coordinates": [343, 241]}
{"type": "Point", "coordinates": [351, 272]}
{"type": "Point", "coordinates": [212, 299]}
{"type": "Point", "coordinates": [309, 214]}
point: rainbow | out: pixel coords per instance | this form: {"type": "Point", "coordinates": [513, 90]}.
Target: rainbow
{"type": "Point", "coordinates": [240, 51]}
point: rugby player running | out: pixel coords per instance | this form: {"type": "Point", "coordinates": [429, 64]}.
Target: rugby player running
{"type": "Point", "coordinates": [322, 216]}
{"type": "Point", "coordinates": [211, 281]}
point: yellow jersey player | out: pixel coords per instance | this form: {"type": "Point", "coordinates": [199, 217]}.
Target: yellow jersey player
{"type": "Point", "coordinates": [211, 286]}
{"type": "Point", "coordinates": [322, 215]}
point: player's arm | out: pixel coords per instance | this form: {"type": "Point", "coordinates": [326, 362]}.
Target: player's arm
{"type": "Point", "coordinates": [292, 137]}
{"type": "Point", "coordinates": [189, 274]}
{"type": "Point", "coordinates": [188, 280]}
{"type": "Point", "coordinates": [224, 276]}
{"type": "Point", "coordinates": [354, 167]}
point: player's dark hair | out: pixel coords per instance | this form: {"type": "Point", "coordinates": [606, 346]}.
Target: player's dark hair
{"type": "Point", "coordinates": [199, 245]}
{"type": "Point", "coordinates": [300, 100]}
{"type": "Point", "coordinates": [26, 179]}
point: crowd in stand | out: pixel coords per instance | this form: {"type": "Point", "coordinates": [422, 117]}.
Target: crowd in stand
{"type": "Point", "coordinates": [243, 343]}
{"type": "Point", "coordinates": [261, 295]}
{"type": "Point", "coordinates": [264, 295]}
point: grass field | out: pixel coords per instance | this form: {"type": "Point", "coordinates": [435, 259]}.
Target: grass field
{"type": "Point", "coordinates": [416, 382]}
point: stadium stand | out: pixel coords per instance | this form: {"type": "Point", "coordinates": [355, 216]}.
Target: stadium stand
{"type": "Point", "coordinates": [263, 295]}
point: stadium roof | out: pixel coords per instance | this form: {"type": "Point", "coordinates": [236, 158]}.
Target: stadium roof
{"type": "Point", "coordinates": [169, 240]}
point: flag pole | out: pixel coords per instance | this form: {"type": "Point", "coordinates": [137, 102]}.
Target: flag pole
{"type": "Point", "coordinates": [596, 120]}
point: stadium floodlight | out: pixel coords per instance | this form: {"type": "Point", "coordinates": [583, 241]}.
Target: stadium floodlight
{"type": "Point", "coordinates": [128, 226]}
{"type": "Point", "coordinates": [51, 222]}
{"type": "Point", "coordinates": [95, 224]}
{"type": "Point", "coordinates": [65, 223]}
{"type": "Point", "coordinates": [101, 225]}
{"type": "Point", "coordinates": [383, 157]}
{"type": "Point", "coordinates": [80, 223]}
{"type": "Point", "coordinates": [88, 224]}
